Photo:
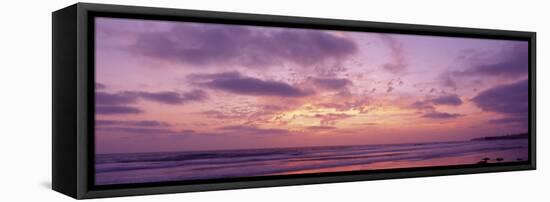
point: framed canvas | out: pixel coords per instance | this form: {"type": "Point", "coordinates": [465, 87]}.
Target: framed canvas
{"type": "Point", "coordinates": [155, 100]}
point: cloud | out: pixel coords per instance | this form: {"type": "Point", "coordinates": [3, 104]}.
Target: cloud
{"type": "Point", "coordinates": [331, 83]}
{"type": "Point", "coordinates": [331, 118]}
{"type": "Point", "coordinates": [251, 130]}
{"type": "Point", "coordinates": [173, 98]}
{"type": "Point", "coordinates": [146, 131]}
{"type": "Point", "coordinates": [316, 128]}
{"type": "Point", "coordinates": [221, 115]}
{"type": "Point", "coordinates": [252, 114]}
{"type": "Point", "coordinates": [429, 104]}
{"type": "Point", "coordinates": [236, 83]}
{"type": "Point", "coordinates": [511, 62]}
{"type": "Point", "coordinates": [103, 98]}
{"type": "Point", "coordinates": [441, 115]}
{"type": "Point", "coordinates": [166, 97]}
{"type": "Point", "coordinates": [119, 103]}
{"type": "Point", "coordinates": [447, 80]}
{"type": "Point", "coordinates": [114, 109]}
{"type": "Point", "coordinates": [99, 86]}
{"type": "Point", "coordinates": [450, 99]}
{"type": "Point", "coordinates": [354, 103]}
{"type": "Point", "coordinates": [510, 100]}
{"type": "Point", "coordinates": [214, 44]}
{"type": "Point", "coordinates": [398, 63]}
{"type": "Point", "coordinates": [428, 110]}
{"type": "Point", "coordinates": [115, 103]}
{"type": "Point", "coordinates": [422, 105]}
{"type": "Point", "coordinates": [142, 123]}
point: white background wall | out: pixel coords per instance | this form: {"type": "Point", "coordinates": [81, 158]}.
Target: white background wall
{"type": "Point", "coordinates": [25, 100]}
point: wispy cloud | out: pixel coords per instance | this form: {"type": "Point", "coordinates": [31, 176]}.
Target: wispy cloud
{"type": "Point", "coordinates": [145, 131]}
{"type": "Point", "coordinates": [331, 83]}
{"type": "Point", "coordinates": [131, 97]}
{"type": "Point", "coordinates": [398, 62]}
{"type": "Point", "coordinates": [511, 62]}
{"type": "Point", "coordinates": [429, 104]}
{"type": "Point", "coordinates": [123, 102]}
{"type": "Point", "coordinates": [99, 86]}
{"type": "Point", "coordinates": [251, 130]}
{"type": "Point", "coordinates": [331, 118]}
{"type": "Point", "coordinates": [450, 99]}
{"type": "Point", "coordinates": [441, 115]}
{"type": "Point", "coordinates": [234, 82]}
{"type": "Point", "coordinates": [210, 45]}
{"type": "Point", "coordinates": [104, 98]}
{"type": "Point", "coordinates": [114, 109]}
{"type": "Point", "coordinates": [317, 128]}
{"type": "Point", "coordinates": [142, 123]}
{"type": "Point", "coordinates": [173, 98]}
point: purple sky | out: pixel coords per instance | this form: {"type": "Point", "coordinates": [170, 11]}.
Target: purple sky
{"type": "Point", "coordinates": [176, 86]}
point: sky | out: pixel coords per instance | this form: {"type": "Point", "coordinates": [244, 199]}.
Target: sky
{"type": "Point", "coordinates": [182, 86]}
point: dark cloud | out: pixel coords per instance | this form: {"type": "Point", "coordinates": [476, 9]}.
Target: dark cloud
{"type": "Point", "coordinates": [450, 99]}
{"type": "Point", "coordinates": [422, 105]}
{"type": "Point", "coordinates": [116, 109]}
{"type": "Point", "coordinates": [145, 131]}
{"type": "Point", "coordinates": [162, 97]}
{"type": "Point", "coordinates": [142, 123]}
{"type": "Point", "coordinates": [120, 102]}
{"type": "Point", "coordinates": [99, 86]}
{"type": "Point", "coordinates": [103, 98]}
{"type": "Point", "coordinates": [115, 103]}
{"type": "Point", "coordinates": [441, 115]}
{"type": "Point", "coordinates": [236, 83]}
{"type": "Point", "coordinates": [398, 63]}
{"type": "Point", "coordinates": [428, 110]}
{"type": "Point", "coordinates": [137, 130]}
{"type": "Point", "coordinates": [331, 83]}
{"type": "Point", "coordinates": [510, 99]}
{"type": "Point", "coordinates": [167, 97]}
{"type": "Point", "coordinates": [251, 130]}
{"type": "Point", "coordinates": [201, 44]}
{"type": "Point", "coordinates": [512, 62]}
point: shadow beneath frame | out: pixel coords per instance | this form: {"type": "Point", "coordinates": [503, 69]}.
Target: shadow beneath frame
{"type": "Point", "coordinates": [46, 184]}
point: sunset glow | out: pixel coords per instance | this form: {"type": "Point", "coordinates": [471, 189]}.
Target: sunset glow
{"type": "Point", "coordinates": [180, 86]}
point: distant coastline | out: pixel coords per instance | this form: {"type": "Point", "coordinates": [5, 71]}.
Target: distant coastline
{"type": "Point", "coordinates": [503, 137]}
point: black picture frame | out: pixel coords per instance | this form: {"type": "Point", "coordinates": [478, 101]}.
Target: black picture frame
{"type": "Point", "coordinates": [73, 99]}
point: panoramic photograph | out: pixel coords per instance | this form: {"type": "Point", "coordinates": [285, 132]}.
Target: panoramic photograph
{"type": "Point", "coordinates": [184, 101]}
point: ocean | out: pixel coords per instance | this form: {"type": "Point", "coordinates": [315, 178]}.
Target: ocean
{"type": "Point", "coordinates": [198, 165]}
